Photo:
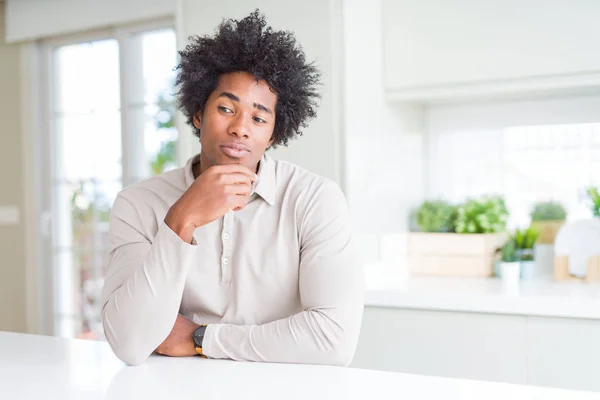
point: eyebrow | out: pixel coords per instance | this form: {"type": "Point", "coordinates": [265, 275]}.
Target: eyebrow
{"type": "Point", "coordinates": [233, 97]}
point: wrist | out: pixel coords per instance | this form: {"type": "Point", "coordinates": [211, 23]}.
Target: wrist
{"type": "Point", "coordinates": [179, 224]}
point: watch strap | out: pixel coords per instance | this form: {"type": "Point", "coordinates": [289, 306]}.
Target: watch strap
{"type": "Point", "coordinates": [198, 339]}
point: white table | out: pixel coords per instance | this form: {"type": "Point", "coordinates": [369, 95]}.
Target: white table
{"type": "Point", "coordinates": [40, 367]}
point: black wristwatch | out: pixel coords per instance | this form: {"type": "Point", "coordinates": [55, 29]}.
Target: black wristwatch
{"type": "Point", "coordinates": [198, 337]}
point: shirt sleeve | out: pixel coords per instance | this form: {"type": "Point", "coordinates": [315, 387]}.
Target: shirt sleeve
{"type": "Point", "coordinates": [332, 294]}
{"type": "Point", "coordinates": [144, 279]}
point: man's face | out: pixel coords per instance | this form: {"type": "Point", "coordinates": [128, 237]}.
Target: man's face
{"type": "Point", "coordinates": [236, 125]}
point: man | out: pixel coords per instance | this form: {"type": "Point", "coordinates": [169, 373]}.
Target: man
{"type": "Point", "coordinates": [236, 255]}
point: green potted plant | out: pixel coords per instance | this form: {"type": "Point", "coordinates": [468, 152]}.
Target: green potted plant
{"type": "Point", "coordinates": [547, 218]}
{"type": "Point", "coordinates": [525, 241]}
{"type": "Point", "coordinates": [487, 214]}
{"type": "Point", "coordinates": [458, 240]}
{"type": "Point", "coordinates": [436, 216]}
{"type": "Point", "coordinates": [510, 266]}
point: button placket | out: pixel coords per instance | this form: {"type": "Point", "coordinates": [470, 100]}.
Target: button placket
{"type": "Point", "coordinates": [227, 247]}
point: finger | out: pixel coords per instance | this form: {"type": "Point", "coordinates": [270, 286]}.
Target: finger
{"type": "Point", "coordinates": [240, 203]}
{"type": "Point", "coordinates": [240, 189]}
{"type": "Point", "coordinates": [237, 168]}
{"type": "Point", "coordinates": [234, 178]}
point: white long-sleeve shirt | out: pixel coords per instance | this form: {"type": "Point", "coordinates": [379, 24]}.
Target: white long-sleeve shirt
{"type": "Point", "coordinates": [276, 281]}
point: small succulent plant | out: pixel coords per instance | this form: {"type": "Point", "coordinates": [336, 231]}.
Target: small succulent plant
{"type": "Point", "coordinates": [525, 241]}
{"type": "Point", "coordinates": [548, 211]}
{"type": "Point", "coordinates": [509, 251]}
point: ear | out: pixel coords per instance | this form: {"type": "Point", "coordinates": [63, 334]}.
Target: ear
{"type": "Point", "coordinates": [197, 120]}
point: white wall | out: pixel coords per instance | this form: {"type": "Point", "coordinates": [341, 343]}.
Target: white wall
{"type": "Point", "coordinates": [317, 28]}
{"type": "Point", "coordinates": [34, 19]}
{"type": "Point", "coordinates": [12, 247]}
{"type": "Point", "coordinates": [384, 143]}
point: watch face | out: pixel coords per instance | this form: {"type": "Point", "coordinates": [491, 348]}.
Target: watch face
{"type": "Point", "coordinates": [196, 339]}
{"type": "Point", "coordinates": [198, 336]}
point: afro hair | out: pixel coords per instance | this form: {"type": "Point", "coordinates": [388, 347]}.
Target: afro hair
{"type": "Point", "coordinates": [249, 45]}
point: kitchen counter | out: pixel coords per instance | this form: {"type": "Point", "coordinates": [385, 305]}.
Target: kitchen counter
{"type": "Point", "coordinates": [540, 297]}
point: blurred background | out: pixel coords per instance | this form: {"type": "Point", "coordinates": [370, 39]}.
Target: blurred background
{"type": "Point", "coordinates": [464, 133]}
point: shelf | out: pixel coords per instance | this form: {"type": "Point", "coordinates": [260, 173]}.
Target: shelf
{"type": "Point", "coordinates": [509, 89]}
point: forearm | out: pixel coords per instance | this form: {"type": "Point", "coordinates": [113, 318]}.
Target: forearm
{"type": "Point", "coordinates": [317, 336]}
{"type": "Point", "coordinates": [141, 300]}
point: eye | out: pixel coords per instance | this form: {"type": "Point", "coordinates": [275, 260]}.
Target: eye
{"type": "Point", "coordinates": [224, 109]}
{"type": "Point", "coordinates": [259, 120]}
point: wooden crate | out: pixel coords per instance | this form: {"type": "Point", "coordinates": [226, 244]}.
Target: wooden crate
{"type": "Point", "coordinates": [561, 269]}
{"type": "Point", "coordinates": [453, 254]}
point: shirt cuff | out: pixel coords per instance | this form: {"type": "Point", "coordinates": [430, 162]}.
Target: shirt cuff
{"type": "Point", "coordinates": [173, 237]}
{"type": "Point", "coordinates": [209, 347]}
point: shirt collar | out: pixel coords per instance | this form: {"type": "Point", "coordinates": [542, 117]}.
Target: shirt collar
{"type": "Point", "coordinates": [188, 170]}
{"type": "Point", "coordinates": [264, 187]}
{"type": "Point", "coordinates": [266, 184]}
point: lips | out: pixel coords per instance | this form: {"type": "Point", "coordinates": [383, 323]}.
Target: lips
{"type": "Point", "coordinates": [235, 150]}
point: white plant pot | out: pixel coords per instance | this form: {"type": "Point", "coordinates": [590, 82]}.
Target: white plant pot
{"type": "Point", "coordinates": [511, 272]}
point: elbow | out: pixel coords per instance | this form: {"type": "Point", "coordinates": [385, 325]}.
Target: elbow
{"type": "Point", "coordinates": [342, 338]}
{"type": "Point", "coordinates": [342, 354]}
{"type": "Point", "coordinates": [125, 346]}
{"type": "Point", "coordinates": [129, 357]}
{"type": "Point", "coordinates": [338, 344]}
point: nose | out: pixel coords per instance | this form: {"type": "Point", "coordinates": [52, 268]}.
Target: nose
{"type": "Point", "coordinates": [239, 126]}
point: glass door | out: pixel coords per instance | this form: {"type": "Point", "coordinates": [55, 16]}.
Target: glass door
{"type": "Point", "coordinates": [111, 125]}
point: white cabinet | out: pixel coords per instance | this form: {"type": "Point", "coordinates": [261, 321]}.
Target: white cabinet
{"type": "Point", "coordinates": [541, 351]}
{"type": "Point", "coordinates": [472, 47]}
{"type": "Point", "coordinates": [564, 353]}
{"type": "Point", "coordinates": [452, 344]}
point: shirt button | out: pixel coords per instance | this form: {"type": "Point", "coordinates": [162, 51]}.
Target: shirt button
{"type": "Point", "coordinates": [226, 236]}
{"type": "Point", "coordinates": [225, 261]}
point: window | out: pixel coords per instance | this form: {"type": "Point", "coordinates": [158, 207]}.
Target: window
{"type": "Point", "coordinates": [550, 162]}
{"type": "Point", "coordinates": [111, 123]}
{"type": "Point", "coordinates": [538, 151]}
